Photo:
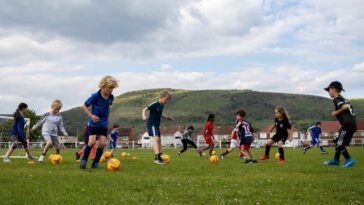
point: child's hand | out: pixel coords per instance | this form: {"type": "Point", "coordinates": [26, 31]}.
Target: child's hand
{"type": "Point", "coordinates": [95, 118]}
{"type": "Point", "coordinates": [144, 118]}
{"type": "Point", "coordinates": [170, 118]}
{"type": "Point", "coordinates": [333, 113]}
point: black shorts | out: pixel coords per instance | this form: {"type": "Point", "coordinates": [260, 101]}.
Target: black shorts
{"type": "Point", "coordinates": [246, 140]}
{"type": "Point", "coordinates": [98, 131]}
{"type": "Point", "coordinates": [277, 138]}
{"type": "Point", "coordinates": [344, 138]}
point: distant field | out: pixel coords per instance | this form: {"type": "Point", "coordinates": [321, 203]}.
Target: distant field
{"type": "Point", "coordinates": [188, 179]}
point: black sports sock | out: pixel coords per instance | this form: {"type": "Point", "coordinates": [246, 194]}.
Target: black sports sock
{"type": "Point", "coordinates": [337, 154]}
{"type": "Point", "coordinates": [267, 149]}
{"type": "Point", "coordinates": [281, 153]}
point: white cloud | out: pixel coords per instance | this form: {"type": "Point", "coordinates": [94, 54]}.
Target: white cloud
{"type": "Point", "coordinates": [40, 89]}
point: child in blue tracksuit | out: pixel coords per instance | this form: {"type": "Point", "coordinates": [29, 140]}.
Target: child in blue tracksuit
{"type": "Point", "coordinates": [17, 132]}
{"type": "Point", "coordinates": [98, 118]}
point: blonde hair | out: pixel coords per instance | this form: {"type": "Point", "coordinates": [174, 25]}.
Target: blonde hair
{"type": "Point", "coordinates": [108, 81]}
{"type": "Point", "coordinates": [283, 111]}
{"type": "Point", "coordinates": [165, 93]}
{"type": "Point", "coordinates": [57, 101]}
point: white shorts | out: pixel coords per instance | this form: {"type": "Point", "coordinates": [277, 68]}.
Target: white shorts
{"type": "Point", "coordinates": [54, 140]}
{"type": "Point", "coordinates": [234, 144]}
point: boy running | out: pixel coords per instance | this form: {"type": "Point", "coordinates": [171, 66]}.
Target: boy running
{"type": "Point", "coordinates": [186, 140]}
{"type": "Point", "coordinates": [345, 115]}
{"type": "Point", "coordinates": [98, 118]}
{"type": "Point", "coordinates": [315, 133]}
{"type": "Point", "coordinates": [51, 122]}
{"type": "Point", "coordinates": [113, 137]}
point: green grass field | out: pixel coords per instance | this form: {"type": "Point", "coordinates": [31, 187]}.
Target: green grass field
{"type": "Point", "coordinates": [188, 179]}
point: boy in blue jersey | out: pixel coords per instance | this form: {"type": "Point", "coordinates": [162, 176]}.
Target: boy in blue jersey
{"type": "Point", "coordinates": [113, 137]}
{"type": "Point", "coordinates": [315, 133]}
{"type": "Point", "coordinates": [155, 114]}
{"type": "Point", "coordinates": [344, 113]}
{"type": "Point", "coordinates": [98, 118]}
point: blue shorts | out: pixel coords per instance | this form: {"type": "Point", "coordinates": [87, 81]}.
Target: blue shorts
{"type": "Point", "coordinates": [315, 141]}
{"type": "Point", "coordinates": [113, 145]}
{"type": "Point", "coordinates": [153, 130]}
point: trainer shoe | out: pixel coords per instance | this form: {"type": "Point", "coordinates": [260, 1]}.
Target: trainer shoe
{"type": "Point", "coordinates": [83, 164]}
{"type": "Point", "coordinates": [158, 161]}
{"type": "Point", "coordinates": [178, 154]}
{"type": "Point", "coordinates": [6, 160]}
{"type": "Point", "coordinates": [221, 156]}
{"type": "Point", "coordinates": [332, 162]}
{"type": "Point", "coordinates": [324, 152]}
{"type": "Point", "coordinates": [282, 161]}
{"type": "Point", "coordinates": [41, 158]}
{"type": "Point", "coordinates": [253, 161]}
{"type": "Point", "coordinates": [247, 161]}
{"type": "Point", "coordinates": [349, 163]}
{"type": "Point", "coordinates": [265, 157]}
{"type": "Point", "coordinates": [77, 156]}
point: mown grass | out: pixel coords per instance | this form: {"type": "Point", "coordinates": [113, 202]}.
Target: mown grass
{"type": "Point", "coordinates": [188, 179]}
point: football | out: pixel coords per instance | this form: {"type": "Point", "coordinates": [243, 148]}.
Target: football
{"type": "Point", "coordinates": [214, 159]}
{"type": "Point", "coordinates": [113, 164]}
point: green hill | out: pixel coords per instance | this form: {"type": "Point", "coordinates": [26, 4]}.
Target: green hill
{"type": "Point", "coordinates": [192, 107]}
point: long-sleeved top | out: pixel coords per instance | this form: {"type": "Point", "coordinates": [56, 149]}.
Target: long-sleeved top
{"type": "Point", "coordinates": [18, 127]}
{"type": "Point", "coordinates": [51, 124]}
{"type": "Point", "coordinates": [186, 135]}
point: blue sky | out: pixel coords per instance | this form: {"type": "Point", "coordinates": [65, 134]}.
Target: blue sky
{"type": "Point", "coordinates": [49, 49]}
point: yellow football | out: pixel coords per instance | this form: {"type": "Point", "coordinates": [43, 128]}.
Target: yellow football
{"type": "Point", "coordinates": [166, 158]}
{"type": "Point", "coordinates": [214, 159]}
{"type": "Point", "coordinates": [277, 156]}
{"type": "Point", "coordinates": [213, 152]}
{"type": "Point", "coordinates": [56, 159]}
{"type": "Point", "coordinates": [107, 155]}
{"type": "Point", "coordinates": [113, 164]}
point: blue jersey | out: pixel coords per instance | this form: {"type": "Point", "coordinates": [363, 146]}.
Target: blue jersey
{"type": "Point", "coordinates": [100, 108]}
{"type": "Point", "coordinates": [316, 132]}
{"type": "Point", "coordinates": [155, 113]}
{"type": "Point", "coordinates": [114, 135]}
{"type": "Point", "coordinates": [18, 127]}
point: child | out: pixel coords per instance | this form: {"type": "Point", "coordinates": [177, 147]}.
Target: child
{"type": "Point", "coordinates": [187, 134]}
{"type": "Point", "coordinates": [155, 114]}
{"type": "Point", "coordinates": [245, 132]}
{"type": "Point", "coordinates": [315, 133]}
{"type": "Point", "coordinates": [234, 141]}
{"type": "Point", "coordinates": [283, 131]}
{"type": "Point", "coordinates": [17, 132]}
{"type": "Point", "coordinates": [208, 134]}
{"type": "Point", "coordinates": [86, 135]}
{"type": "Point", "coordinates": [98, 118]}
{"type": "Point", "coordinates": [113, 137]}
{"type": "Point", "coordinates": [345, 115]}
{"type": "Point", "coordinates": [51, 122]}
